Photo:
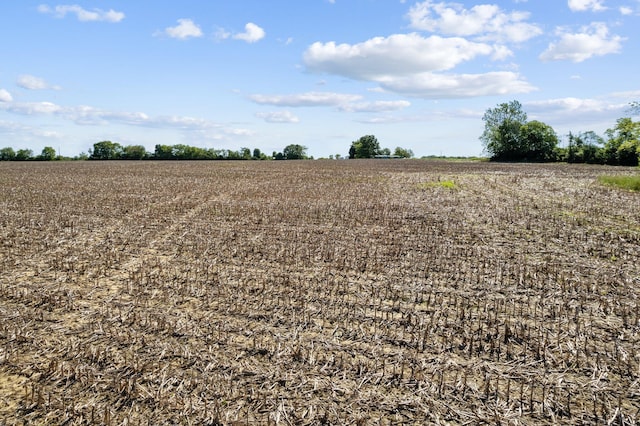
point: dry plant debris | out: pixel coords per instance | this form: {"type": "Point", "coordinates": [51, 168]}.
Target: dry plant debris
{"type": "Point", "coordinates": [317, 292]}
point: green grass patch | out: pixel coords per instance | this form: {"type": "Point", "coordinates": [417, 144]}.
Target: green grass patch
{"type": "Point", "coordinates": [631, 183]}
{"type": "Point", "coordinates": [447, 184]}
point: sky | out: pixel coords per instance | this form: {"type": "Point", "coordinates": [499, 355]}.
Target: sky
{"type": "Point", "coordinates": [228, 74]}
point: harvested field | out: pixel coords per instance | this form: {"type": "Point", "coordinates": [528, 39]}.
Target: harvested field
{"type": "Point", "coordinates": [317, 292]}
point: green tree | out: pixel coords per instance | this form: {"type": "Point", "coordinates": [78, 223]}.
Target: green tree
{"type": "Point", "coordinates": [106, 150]}
{"type": "Point", "coordinates": [7, 154]}
{"type": "Point", "coordinates": [623, 143]}
{"type": "Point", "coordinates": [294, 152]}
{"type": "Point", "coordinates": [134, 152]}
{"type": "Point", "coordinates": [403, 153]}
{"type": "Point", "coordinates": [245, 153]}
{"type": "Point", "coordinates": [24, 154]}
{"type": "Point", "coordinates": [585, 147]}
{"type": "Point", "coordinates": [163, 152]}
{"type": "Point", "coordinates": [365, 147]}
{"type": "Point", "coordinates": [47, 154]}
{"type": "Point", "coordinates": [537, 141]}
{"type": "Point", "coordinates": [501, 136]}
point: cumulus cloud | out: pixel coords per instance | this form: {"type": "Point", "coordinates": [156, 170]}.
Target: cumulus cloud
{"type": "Point", "coordinates": [483, 21]}
{"type": "Point", "coordinates": [252, 33]}
{"type": "Point", "coordinates": [82, 14]}
{"type": "Point", "coordinates": [31, 82]}
{"type": "Point", "coordinates": [5, 96]}
{"type": "Point", "coordinates": [185, 29]}
{"type": "Point", "coordinates": [394, 55]}
{"type": "Point", "coordinates": [414, 65]}
{"type": "Point", "coordinates": [593, 40]}
{"type": "Point", "coordinates": [309, 99]}
{"type": "Point", "coordinates": [586, 5]}
{"type": "Point", "coordinates": [278, 117]}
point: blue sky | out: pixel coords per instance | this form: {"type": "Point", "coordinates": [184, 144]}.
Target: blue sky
{"type": "Point", "coordinates": [264, 74]}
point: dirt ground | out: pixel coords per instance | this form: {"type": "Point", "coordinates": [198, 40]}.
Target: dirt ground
{"type": "Point", "coordinates": [317, 292]}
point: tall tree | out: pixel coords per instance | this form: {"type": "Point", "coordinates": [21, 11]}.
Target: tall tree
{"type": "Point", "coordinates": [295, 152]}
{"type": "Point", "coordinates": [48, 154]}
{"type": "Point", "coordinates": [365, 147]}
{"type": "Point", "coordinates": [623, 143]}
{"type": "Point", "coordinates": [537, 141]}
{"type": "Point", "coordinates": [585, 147]}
{"type": "Point", "coordinates": [7, 154]}
{"type": "Point", "coordinates": [501, 136]}
{"type": "Point", "coordinates": [106, 150]}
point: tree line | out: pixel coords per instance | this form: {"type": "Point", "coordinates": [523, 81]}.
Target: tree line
{"type": "Point", "coordinates": [365, 147]}
{"type": "Point", "coordinates": [509, 136]}
{"type": "Point", "coordinates": [108, 150]}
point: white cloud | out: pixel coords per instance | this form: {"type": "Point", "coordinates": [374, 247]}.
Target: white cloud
{"type": "Point", "coordinates": [34, 83]}
{"type": "Point", "coordinates": [252, 33]}
{"type": "Point", "coordinates": [412, 65]}
{"type": "Point", "coordinates": [593, 40]}
{"type": "Point", "coordinates": [594, 114]}
{"type": "Point", "coordinates": [185, 29]}
{"type": "Point", "coordinates": [626, 10]}
{"type": "Point", "coordinates": [569, 104]}
{"type": "Point", "coordinates": [82, 14]}
{"type": "Point", "coordinates": [88, 115]}
{"type": "Point", "coordinates": [344, 102]}
{"type": "Point", "coordinates": [309, 99]}
{"type": "Point", "coordinates": [439, 86]}
{"type": "Point", "coordinates": [399, 54]}
{"type": "Point", "coordinates": [5, 96]}
{"type": "Point", "coordinates": [376, 106]}
{"type": "Point", "coordinates": [584, 5]}
{"type": "Point", "coordinates": [278, 117]}
{"type": "Point", "coordinates": [20, 129]}
{"type": "Point", "coordinates": [32, 108]}
{"type": "Point", "coordinates": [484, 21]}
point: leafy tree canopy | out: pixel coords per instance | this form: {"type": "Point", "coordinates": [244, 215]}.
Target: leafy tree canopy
{"type": "Point", "coordinates": [106, 150]}
{"type": "Point", "coordinates": [365, 147]}
{"type": "Point", "coordinates": [403, 153]}
{"type": "Point", "coordinates": [623, 143]}
{"type": "Point", "coordinates": [538, 141]}
{"type": "Point", "coordinates": [48, 154]}
{"type": "Point", "coordinates": [7, 154]}
{"type": "Point", "coordinates": [24, 154]}
{"type": "Point", "coordinates": [508, 136]}
{"type": "Point", "coordinates": [295, 152]}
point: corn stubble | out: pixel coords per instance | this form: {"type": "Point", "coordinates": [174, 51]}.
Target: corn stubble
{"type": "Point", "coordinates": [324, 292]}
